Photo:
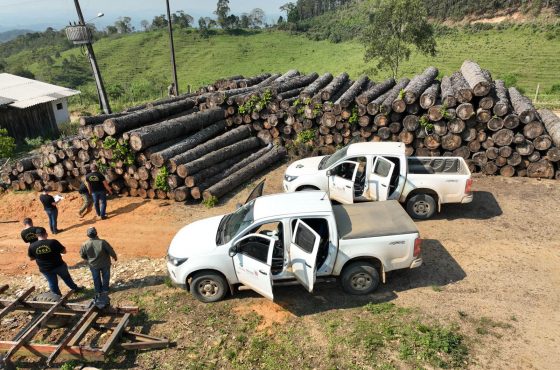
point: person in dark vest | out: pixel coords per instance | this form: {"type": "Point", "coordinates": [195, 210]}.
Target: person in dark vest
{"type": "Point", "coordinates": [87, 204]}
{"type": "Point", "coordinates": [98, 253]}
{"type": "Point", "coordinates": [29, 232]}
{"type": "Point", "coordinates": [49, 204]}
{"type": "Point", "coordinates": [98, 188]}
{"type": "Point", "coordinates": [47, 253]}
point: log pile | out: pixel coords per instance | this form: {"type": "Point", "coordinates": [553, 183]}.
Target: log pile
{"type": "Point", "coordinates": [201, 145]}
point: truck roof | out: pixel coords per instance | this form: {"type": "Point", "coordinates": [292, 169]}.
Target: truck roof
{"type": "Point", "coordinates": [372, 219]}
{"type": "Point", "coordinates": [301, 202]}
{"type": "Point", "coordinates": [387, 148]}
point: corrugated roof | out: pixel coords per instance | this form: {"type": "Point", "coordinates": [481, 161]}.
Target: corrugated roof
{"type": "Point", "coordinates": [25, 92]}
{"type": "Point", "coordinates": [5, 101]}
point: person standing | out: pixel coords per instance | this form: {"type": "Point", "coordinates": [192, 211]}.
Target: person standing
{"type": "Point", "coordinates": [49, 204]}
{"type": "Point", "coordinates": [171, 90]}
{"type": "Point", "coordinates": [29, 232]}
{"type": "Point", "coordinates": [47, 253]}
{"type": "Point", "coordinates": [98, 188]}
{"type": "Point", "coordinates": [98, 253]}
{"type": "Point", "coordinates": [87, 201]}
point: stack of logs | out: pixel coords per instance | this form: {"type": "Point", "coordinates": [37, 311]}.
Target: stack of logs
{"type": "Point", "coordinates": [211, 141]}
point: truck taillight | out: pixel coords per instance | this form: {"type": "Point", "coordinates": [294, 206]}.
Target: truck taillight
{"type": "Point", "coordinates": [417, 247]}
{"type": "Point", "coordinates": [468, 186]}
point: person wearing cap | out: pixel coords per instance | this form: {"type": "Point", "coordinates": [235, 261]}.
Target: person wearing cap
{"type": "Point", "coordinates": [47, 253]}
{"type": "Point", "coordinates": [49, 204]}
{"type": "Point", "coordinates": [29, 233]}
{"type": "Point", "coordinates": [98, 252]}
{"type": "Point", "coordinates": [98, 188]}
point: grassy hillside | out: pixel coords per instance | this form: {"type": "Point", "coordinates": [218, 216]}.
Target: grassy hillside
{"type": "Point", "coordinates": [137, 67]}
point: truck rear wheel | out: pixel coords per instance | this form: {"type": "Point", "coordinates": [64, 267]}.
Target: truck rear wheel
{"type": "Point", "coordinates": [359, 278]}
{"type": "Point", "coordinates": [208, 287]}
{"type": "Point", "coordinates": [421, 206]}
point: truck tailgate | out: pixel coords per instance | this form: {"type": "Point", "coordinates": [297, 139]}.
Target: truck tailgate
{"type": "Point", "coordinates": [372, 219]}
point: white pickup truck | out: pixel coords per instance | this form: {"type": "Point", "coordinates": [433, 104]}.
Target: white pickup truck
{"type": "Point", "coordinates": [293, 237]}
{"type": "Point", "coordinates": [364, 172]}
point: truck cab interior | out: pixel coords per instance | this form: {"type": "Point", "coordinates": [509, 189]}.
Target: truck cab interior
{"type": "Point", "coordinates": [321, 227]}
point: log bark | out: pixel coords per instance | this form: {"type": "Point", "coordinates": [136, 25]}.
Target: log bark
{"type": "Point", "coordinates": [552, 123]}
{"type": "Point", "coordinates": [522, 106]}
{"type": "Point", "coordinates": [501, 106]}
{"type": "Point", "coordinates": [273, 156]}
{"type": "Point", "coordinates": [447, 92]}
{"type": "Point", "coordinates": [217, 156]}
{"type": "Point", "coordinates": [461, 89]}
{"type": "Point", "coordinates": [334, 86]}
{"type": "Point", "coordinates": [167, 130]}
{"type": "Point", "coordinates": [349, 95]}
{"type": "Point", "coordinates": [476, 78]}
{"type": "Point", "coordinates": [429, 96]}
{"type": "Point", "coordinates": [419, 84]}
{"type": "Point", "coordinates": [375, 91]}
{"type": "Point", "coordinates": [202, 136]}
{"type": "Point", "coordinates": [386, 106]}
{"type": "Point", "coordinates": [312, 89]}
{"type": "Point", "coordinates": [541, 169]}
{"type": "Point", "coordinates": [117, 125]}
{"type": "Point", "coordinates": [373, 106]}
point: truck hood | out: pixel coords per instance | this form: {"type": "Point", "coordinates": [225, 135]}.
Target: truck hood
{"type": "Point", "coordinates": [306, 166]}
{"type": "Point", "coordinates": [196, 239]}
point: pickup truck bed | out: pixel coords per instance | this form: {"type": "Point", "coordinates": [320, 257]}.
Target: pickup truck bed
{"type": "Point", "coordinates": [431, 165]}
{"type": "Point", "coordinates": [354, 221]}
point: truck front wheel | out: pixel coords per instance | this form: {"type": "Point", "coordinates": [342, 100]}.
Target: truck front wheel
{"type": "Point", "coordinates": [421, 206]}
{"type": "Point", "coordinates": [208, 287]}
{"type": "Point", "coordinates": [359, 278]}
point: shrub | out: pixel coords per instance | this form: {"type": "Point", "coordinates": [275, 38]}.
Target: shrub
{"type": "Point", "coordinates": [7, 144]}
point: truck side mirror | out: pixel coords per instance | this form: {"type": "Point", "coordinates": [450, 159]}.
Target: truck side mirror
{"type": "Point", "coordinates": [232, 251]}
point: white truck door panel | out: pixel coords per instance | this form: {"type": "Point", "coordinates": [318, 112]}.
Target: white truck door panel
{"type": "Point", "coordinates": [380, 179]}
{"type": "Point", "coordinates": [252, 263]}
{"type": "Point", "coordinates": [303, 254]}
{"type": "Point", "coordinates": [341, 188]}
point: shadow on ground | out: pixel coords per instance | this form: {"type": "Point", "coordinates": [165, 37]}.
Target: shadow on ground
{"type": "Point", "coordinates": [483, 207]}
{"type": "Point", "coordinates": [439, 269]}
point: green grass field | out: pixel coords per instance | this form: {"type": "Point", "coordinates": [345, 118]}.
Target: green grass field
{"type": "Point", "coordinates": [140, 61]}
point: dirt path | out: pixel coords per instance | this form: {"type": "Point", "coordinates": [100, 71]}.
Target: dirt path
{"type": "Point", "coordinates": [494, 261]}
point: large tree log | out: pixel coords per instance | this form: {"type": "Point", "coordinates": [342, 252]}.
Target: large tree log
{"type": "Point", "coordinates": [334, 86]}
{"type": "Point", "coordinates": [294, 83]}
{"type": "Point", "coordinates": [218, 156]}
{"type": "Point", "coordinates": [465, 111]}
{"type": "Point", "coordinates": [541, 169]}
{"type": "Point", "coordinates": [542, 142]}
{"type": "Point", "coordinates": [386, 106]}
{"type": "Point", "coordinates": [167, 130]}
{"type": "Point", "coordinates": [186, 144]}
{"type": "Point", "coordinates": [430, 95]}
{"type": "Point", "coordinates": [419, 84]}
{"type": "Point", "coordinates": [501, 107]}
{"type": "Point", "coordinates": [100, 118]}
{"type": "Point", "coordinates": [461, 89]}
{"type": "Point", "coordinates": [447, 92]}
{"type": "Point", "coordinates": [375, 104]}
{"type": "Point", "coordinates": [374, 92]}
{"type": "Point", "coordinates": [522, 106]}
{"type": "Point", "coordinates": [316, 86]}
{"type": "Point", "coordinates": [451, 141]}
{"type": "Point", "coordinates": [25, 164]}
{"type": "Point", "coordinates": [552, 123]}
{"type": "Point", "coordinates": [117, 125]}
{"type": "Point", "coordinates": [503, 137]}
{"type": "Point", "coordinates": [224, 140]}
{"type": "Point", "coordinates": [476, 78]}
{"type": "Point", "coordinates": [533, 129]}
{"type": "Point", "coordinates": [349, 95]}
{"type": "Point", "coordinates": [246, 82]}
{"type": "Point", "coordinates": [273, 156]}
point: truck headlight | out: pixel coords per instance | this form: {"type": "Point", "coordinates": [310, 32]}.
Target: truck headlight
{"type": "Point", "coordinates": [289, 178]}
{"type": "Point", "coordinates": [176, 261]}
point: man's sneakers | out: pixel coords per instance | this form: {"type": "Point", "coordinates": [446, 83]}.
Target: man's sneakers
{"type": "Point", "coordinates": [102, 300]}
{"type": "Point", "coordinates": [104, 217]}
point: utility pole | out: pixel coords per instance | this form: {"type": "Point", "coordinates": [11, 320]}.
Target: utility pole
{"type": "Point", "coordinates": [103, 101]}
{"type": "Point", "coordinates": [173, 65]}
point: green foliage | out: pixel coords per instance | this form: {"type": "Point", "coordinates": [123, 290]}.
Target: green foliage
{"type": "Point", "coordinates": [68, 129]}
{"type": "Point", "coordinates": [121, 152]}
{"type": "Point", "coordinates": [35, 142]}
{"type": "Point", "coordinates": [426, 124]}
{"type": "Point", "coordinates": [161, 179]}
{"type": "Point", "coordinates": [554, 89]}
{"type": "Point", "coordinates": [401, 94]}
{"type": "Point", "coordinates": [444, 113]}
{"type": "Point", "coordinates": [353, 120]}
{"type": "Point", "coordinates": [305, 136]}
{"type": "Point", "coordinates": [255, 103]}
{"type": "Point", "coordinates": [210, 202]}
{"type": "Point", "coordinates": [70, 365]}
{"type": "Point", "coordinates": [103, 167]}
{"type": "Point", "coordinates": [395, 26]}
{"type": "Point", "coordinates": [7, 144]}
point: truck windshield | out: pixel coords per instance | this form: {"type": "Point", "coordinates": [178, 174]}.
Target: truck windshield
{"type": "Point", "coordinates": [332, 159]}
{"type": "Point", "coordinates": [234, 222]}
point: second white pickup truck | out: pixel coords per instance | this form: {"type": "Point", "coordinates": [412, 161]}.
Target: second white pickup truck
{"type": "Point", "coordinates": [371, 171]}
{"type": "Point", "coordinates": [293, 237]}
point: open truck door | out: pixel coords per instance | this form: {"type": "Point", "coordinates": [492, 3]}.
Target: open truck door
{"type": "Point", "coordinates": [380, 178]}
{"type": "Point", "coordinates": [304, 247]}
{"type": "Point", "coordinates": [341, 182]}
{"type": "Point", "coordinates": [252, 258]}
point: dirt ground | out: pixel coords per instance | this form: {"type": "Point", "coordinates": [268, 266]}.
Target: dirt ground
{"type": "Point", "coordinates": [495, 258]}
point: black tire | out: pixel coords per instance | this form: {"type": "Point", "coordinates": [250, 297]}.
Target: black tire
{"type": "Point", "coordinates": [421, 206]}
{"type": "Point", "coordinates": [359, 278]}
{"type": "Point", "coordinates": [208, 287]}
{"type": "Point", "coordinates": [307, 188]}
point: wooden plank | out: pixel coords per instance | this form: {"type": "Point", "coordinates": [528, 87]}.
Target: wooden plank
{"type": "Point", "coordinates": [83, 330]}
{"type": "Point", "coordinates": [72, 308]}
{"type": "Point", "coordinates": [35, 328]}
{"type": "Point", "coordinates": [80, 325]}
{"type": "Point", "coordinates": [43, 350]}
{"type": "Point", "coordinates": [17, 301]}
{"type": "Point", "coordinates": [116, 334]}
